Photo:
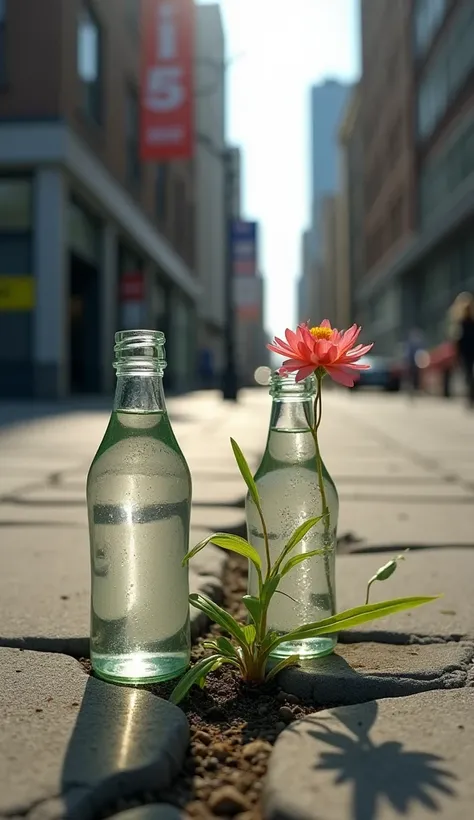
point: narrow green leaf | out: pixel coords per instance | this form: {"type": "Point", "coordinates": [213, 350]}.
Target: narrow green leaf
{"type": "Point", "coordinates": [293, 660]}
{"type": "Point", "coordinates": [233, 543]}
{"type": "Point", "coordinates": [269, 588]}
{"type": "Point", "coordinates": [280, 592]}
{"type": "Point", "coordinates": [220, 616]}
{"type": "Point", "coordinates": [268, 640]}
{"type": "Point", "coordinates": [226, 647]}
{"type": "Point", "coordinates": [245, 473]}
{"type": "Point", "coordinates": [297, 536]}
{"type": "Point", "coordinates": [250, 634]}
{"type": "Point", "coordinates": [298, 559]}
{"type": "Point", "coordinates": [253, 607]}
{"type": "Point", "coordinates": [352, 617]}
{"type": "Point", "coordinates": [196, 674]}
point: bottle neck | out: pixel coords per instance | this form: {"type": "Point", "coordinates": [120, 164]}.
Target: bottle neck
{"type": "Point", "coordinates": [292, 412]}
{"type": "Point", "coordinates": [140, 392]}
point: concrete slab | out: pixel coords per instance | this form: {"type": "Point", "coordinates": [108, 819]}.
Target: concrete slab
{"type": "Point", "coordinates": [45, 587]}
{"type": "Point", "coordinates": [75, 736]}
{"type": "Point", "coordinates": [382, 523]}
{"type": "Point", "coordinates": [365, 671]}
{"type": "Point", "coordinates": [377, 761]}
{"type": "Point", "coordinates": [424, 572]}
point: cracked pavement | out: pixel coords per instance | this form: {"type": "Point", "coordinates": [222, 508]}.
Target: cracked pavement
{"type": "Point", "coordinates": [76, 747]}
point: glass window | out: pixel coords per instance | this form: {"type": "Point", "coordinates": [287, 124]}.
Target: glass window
{"type": "Point", "coordinates": [132, 136]}
{"type": "Point", "coordinates": [89, 62]}
{"type": "Point", "coordinates": [429, 15]}
{"type": "Point", "coordinates": [15, 204]}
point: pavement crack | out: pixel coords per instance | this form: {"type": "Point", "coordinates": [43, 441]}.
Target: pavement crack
{"type": "Point", "coordinates": [75, 647]}
{"type": "Point", "coordinates": [398, 638]}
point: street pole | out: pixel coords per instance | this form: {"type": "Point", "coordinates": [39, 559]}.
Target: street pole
{"type": "Point", "coordinates": [229, 385]}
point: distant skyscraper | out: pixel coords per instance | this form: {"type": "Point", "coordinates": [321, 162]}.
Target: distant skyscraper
{"type": "Point", "coordinates": [328, 101]}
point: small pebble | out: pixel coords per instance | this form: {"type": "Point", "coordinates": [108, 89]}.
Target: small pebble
{"type": "Point", "coordinates": [203, 737]}
{"type": "Point", "coordinates": [212, 764]}
{"type": "Point", "coordinates": [280, 726]}
{"type": "Point", "coordinates": [257, 747]}
{"type": "Point", "coordinates": [286, 714]}
{"type": "Point", "coordinates": [227, 801]}
{"type": "Point", "coordinates": [220, 751]}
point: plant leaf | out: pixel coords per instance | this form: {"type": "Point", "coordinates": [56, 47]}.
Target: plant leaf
{"type": "Point", "coordinates": [293, 660]}
{"type": "Point", "coordinates": [298, 536]}
{"type": "Point", "coordinates": [280, 592]}
{"type": "Point", "coordinates": [196, 674]}
{"type": "Point", "coordinates": [253, 607]}
{"type": "Point", "coordinates": [250, 633]}
{"type": "Point", "coordinates": [233, 543]}
{"type": "Point", "coordinates": [269, 588]}
{"type": "Point", "coordinates": [246, 473]}
{"type": "Point", "coordinates": [220, 616]}
{"type": "Point", "coordinates": [353, 617]}
{"type": "Point", "coordinates": [297, 559]}
{"type": "Point", "coordinates": [226, 647]}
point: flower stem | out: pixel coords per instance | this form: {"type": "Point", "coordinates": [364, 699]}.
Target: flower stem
{"type": "Point", "coordinates": [319, 466]}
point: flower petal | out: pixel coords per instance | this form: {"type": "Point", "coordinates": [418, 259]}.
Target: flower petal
{"type": "Point", "coordinates": [339, 375]}
{"type": "Point", "coordinates": [304, 372]}
{"type": "Point", "coordinates": [325, 323]}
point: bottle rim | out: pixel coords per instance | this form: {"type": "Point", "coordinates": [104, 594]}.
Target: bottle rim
{"type": "Point", "coordinates": [281, 386]}
{"type": "Point", "coordinates": [139, 351]}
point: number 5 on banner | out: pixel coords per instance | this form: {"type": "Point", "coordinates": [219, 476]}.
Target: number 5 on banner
{"type": "Point", "coordinates": [165, 90]}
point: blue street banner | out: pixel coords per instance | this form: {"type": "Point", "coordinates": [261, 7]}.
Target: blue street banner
{"type": "Point", "coordinates": [244, 237]}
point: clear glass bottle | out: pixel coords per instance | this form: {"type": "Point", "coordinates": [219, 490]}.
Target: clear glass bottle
{"type": "Point", "coordinates": [288, 484]}
{"type": "Point", "coordinates": [139, 504]}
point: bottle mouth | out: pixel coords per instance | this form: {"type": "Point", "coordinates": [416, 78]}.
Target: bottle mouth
{"type": "Point", "coordinates": [140, 350]}
{"type": "Point", "coordinates": [281, 386]}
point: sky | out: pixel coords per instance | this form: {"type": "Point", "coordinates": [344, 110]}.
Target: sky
{"type": "Point", "coordinates": [277, 50]}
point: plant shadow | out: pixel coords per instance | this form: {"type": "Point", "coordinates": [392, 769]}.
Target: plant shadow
{"type": "Point", "coordinates": [385, 771]}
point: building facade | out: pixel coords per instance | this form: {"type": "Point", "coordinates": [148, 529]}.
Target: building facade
{"type": "Point", "coordinates": [327, 103]}
{"type": "Point", "coordinates": [91, 239]}
{"type": "Point", "coordinates": [210, 180]}
{"type": "Point", "coordinates": [351, 214]}
{"type": "Point", "coordinates": [418, 119]}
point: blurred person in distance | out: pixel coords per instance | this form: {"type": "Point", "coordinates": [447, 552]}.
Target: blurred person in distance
{"type": "Point", "coordinates": [452, 355]}
{"type": "Point", "coordinates": [465, 346]}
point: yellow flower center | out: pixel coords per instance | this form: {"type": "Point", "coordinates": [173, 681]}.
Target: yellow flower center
{"type": "Point", "coordinates": [321, 332]}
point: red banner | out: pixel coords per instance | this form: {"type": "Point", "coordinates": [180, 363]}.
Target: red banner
{"type": "Point", "coordinates": [167, 77]}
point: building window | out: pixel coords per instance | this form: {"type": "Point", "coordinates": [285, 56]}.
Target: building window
{"type": "Point", "coordinates": [15, 204]}
{"type": "Point", "coordinates": [131, 136]}
{"type": "Point", "coordinates": [89, 62]}
{"type": "Point", "coordinates": [3, 53]}
{"type": "Point", "coordinates": [161, 192]}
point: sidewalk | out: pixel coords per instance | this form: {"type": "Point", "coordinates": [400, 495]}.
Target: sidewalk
{"type": "Point", "coordinates": [405, 475]}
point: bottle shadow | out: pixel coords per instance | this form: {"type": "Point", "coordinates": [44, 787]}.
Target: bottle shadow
{"type": "Point", "coordinates": [380, 771]}
{"type": "Point", "coordinates": [125, 743]}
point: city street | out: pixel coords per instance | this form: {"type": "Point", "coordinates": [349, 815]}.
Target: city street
{"type": "Point", "coordinates": [405, 475]}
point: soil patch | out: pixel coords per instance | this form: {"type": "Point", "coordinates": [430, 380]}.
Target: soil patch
{"type": "Point", "coordinates": [233, 727]}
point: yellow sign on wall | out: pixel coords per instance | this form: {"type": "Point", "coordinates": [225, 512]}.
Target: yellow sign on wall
{"type": "Point", "coordinates": [17, 293]}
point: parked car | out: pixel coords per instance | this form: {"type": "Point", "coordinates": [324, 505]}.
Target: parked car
{"type": "Point", "coordinates": [384, 372]}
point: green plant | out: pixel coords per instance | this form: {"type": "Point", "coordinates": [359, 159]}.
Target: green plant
{"type": "Point", "coordinates": [249, 646]}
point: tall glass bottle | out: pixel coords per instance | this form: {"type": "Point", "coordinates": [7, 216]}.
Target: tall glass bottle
{"type": "Point", "coordinates": [289, 487]}
{"type": "Point", "coordinates": [139, 503]}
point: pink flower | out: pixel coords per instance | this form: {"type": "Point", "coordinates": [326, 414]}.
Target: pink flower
{"type": "Point", "coordinates": [333, 350]}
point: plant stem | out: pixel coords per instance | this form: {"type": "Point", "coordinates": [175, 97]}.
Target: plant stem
{"type": "Point", "coordinates": [319, 466]}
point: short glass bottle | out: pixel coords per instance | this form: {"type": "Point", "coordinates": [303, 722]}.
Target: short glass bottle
{"type": "Point", "coordinates": [289, 488]}
{"type": "Point", "coordinates": [139, 504]}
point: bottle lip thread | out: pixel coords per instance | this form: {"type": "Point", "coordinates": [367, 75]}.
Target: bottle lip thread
{"type": "Point", "coordinates": [139, 351]}
{"type": "Point", "coordinates": [281, 386]}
